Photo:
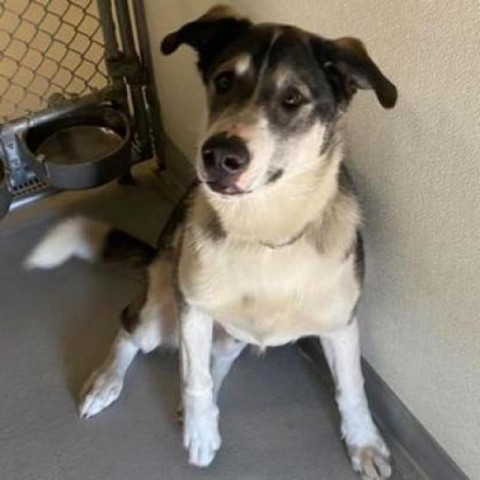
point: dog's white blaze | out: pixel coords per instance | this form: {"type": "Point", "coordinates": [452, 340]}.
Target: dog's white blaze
{"type": "Point", "coordinates": [242, 64]}
{"type": "Point", "coordinates": [261, 145]}
{"type": "Point", "coordinates": [75, 237]}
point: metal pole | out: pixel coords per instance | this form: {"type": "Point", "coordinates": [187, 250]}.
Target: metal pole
{"type": "Point", "coordinates": [154, 109]}
{"type": "Point", "coordinates": [112, 53]}
{"type": "Point", "coordinates": [134, 79]}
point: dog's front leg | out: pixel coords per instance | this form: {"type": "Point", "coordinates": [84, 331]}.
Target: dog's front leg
{"type": "Point", "coordinates": [368, 452]}
{"type": "Point", "coordinates": [200, 428]}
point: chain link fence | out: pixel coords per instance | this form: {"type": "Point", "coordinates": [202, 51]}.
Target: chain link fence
{"type": "Point", "coordinates": [48, 48]}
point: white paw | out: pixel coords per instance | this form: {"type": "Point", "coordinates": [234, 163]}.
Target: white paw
{"type": "Point", "coordinates": [371, 461]}
{"type": "Point", "coordinates": [201, 436]}
{"type": "Point", "coordinates": [99, 391]}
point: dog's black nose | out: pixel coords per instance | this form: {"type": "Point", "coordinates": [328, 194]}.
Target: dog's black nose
{"type": "Point", "coordinates": [224, 157]}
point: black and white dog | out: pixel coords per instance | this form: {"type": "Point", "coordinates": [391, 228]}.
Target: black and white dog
{"type": "Point", "coordinates": [266, 248]}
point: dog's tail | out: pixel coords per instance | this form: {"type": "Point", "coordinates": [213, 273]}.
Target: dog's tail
{"type": "Point", "coordinates": [90, 240]}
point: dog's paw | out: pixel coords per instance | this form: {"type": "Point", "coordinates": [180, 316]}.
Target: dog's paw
{"type": "Point", "coordinates": [100, 391]}
{"type": "Point", "coordinates": [201, 437]}
{"type": "Point", "coordinates": [372, 462]}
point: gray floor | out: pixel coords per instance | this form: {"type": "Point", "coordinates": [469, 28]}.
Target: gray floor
{"type": "Point", "coordinates": [278, 421]}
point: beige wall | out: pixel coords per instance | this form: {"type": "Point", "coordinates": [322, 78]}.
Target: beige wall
{"type": "Point", "coordinates": [418, 170]}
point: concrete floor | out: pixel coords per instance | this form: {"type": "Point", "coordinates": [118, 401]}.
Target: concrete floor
{"type": "Point", "coordinates": [278, 420]}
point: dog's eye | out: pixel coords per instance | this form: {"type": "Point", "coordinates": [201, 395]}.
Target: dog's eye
{"type": "Point", "coordinates": [223, 81]}
{"type": "Point", "coordinates": [292, 98]}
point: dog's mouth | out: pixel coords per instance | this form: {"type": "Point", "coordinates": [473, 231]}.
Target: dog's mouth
{"type": "Point", "coordinates": [227, 190]}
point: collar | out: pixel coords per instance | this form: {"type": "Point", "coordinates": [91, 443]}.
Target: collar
{"type": "Point", "coordinates": [290, 241]}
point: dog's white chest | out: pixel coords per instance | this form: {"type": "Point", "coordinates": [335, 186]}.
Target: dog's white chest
{"type": "Point", "coordinates": [269, 296]}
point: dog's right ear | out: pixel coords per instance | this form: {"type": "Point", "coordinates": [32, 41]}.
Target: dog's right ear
{"type": "Point", "coordinates": [208, 34]}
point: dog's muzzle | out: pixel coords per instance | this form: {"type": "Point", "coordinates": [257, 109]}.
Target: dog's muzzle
{"type": "Point", "coordinates": [224, 158]}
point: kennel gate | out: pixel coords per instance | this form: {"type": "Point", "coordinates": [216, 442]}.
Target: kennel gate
{"type": "Point", "coordinates": [74, 73]}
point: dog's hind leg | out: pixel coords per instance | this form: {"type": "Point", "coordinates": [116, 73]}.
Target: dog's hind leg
{"type": "Point", "coordinates": [225, 350]}
{"type": "Point", "coordinates": [146, 323]}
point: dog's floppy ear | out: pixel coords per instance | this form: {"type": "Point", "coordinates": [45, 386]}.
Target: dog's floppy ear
{"type": "Point", "coordinates": [208, 34]}
{"type": "Point", "coordinates": [349, 57]}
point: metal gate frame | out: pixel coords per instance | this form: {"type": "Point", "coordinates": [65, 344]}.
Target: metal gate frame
{"type": "Point", "coordinates": [131, 84]}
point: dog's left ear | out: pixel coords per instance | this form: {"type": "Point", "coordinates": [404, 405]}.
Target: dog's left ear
{"type": "Point", "coordinates": [208, 35]}
{"type": "Point", "coordinates": [349, 57]}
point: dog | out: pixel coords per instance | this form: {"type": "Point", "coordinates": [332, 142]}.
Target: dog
{"type": "Point", "coordinates": [265, 248]}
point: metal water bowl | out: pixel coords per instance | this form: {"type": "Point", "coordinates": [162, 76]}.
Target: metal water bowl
{"type": "Point", "coordinates": [83, 149]}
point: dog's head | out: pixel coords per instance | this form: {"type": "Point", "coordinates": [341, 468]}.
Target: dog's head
{"type": "Point", "coordinates": [274, 95]}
